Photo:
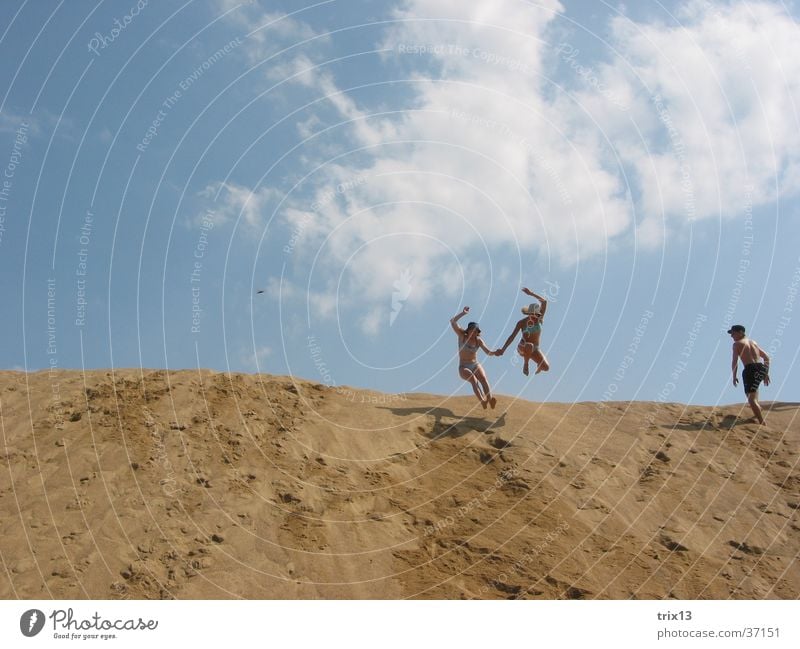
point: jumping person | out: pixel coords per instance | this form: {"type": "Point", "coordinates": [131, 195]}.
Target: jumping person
{"type": "Point", "coordinates": [469, 369]}
{"type": "Point", "coordinates": [531, 328]}
{"type": "Point", "coordinates": [754, 371]}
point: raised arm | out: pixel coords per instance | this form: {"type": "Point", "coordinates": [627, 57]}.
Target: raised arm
{"type": "Point", "coordinates": [454, 321]}
{"type": "Point", "coordinates": [542, 301]}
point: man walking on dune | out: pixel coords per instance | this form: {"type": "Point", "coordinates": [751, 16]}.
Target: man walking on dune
{"type": "Point", "coordinates": [754, 370]}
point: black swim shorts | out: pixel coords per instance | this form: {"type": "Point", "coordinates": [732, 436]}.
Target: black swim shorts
{"type": "Point", "coordinates": [752, 375]}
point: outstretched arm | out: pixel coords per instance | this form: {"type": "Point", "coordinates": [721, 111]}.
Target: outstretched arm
{"type": "Point", "coordinates": [542, 301]}
{"type": "Point", "coordinates": [483, 346]}
{"type": "Point", "coordinates": [511, 337]}
{"type": "Point", "coordinates": [454, 320]}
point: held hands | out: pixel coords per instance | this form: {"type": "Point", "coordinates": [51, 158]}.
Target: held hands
{"type": "Point", "coordinates": [498, 352]}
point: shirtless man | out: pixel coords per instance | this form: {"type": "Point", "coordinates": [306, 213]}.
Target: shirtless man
{"type": "Point", "coordinates": [754, 371]}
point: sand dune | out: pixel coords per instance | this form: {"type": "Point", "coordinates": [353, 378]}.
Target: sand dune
{"type": "Point", "coordinates": [188, 484]}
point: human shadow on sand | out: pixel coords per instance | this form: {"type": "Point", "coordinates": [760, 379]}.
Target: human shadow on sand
{"type": "Point", "coordinates": [727, 422]}
{"type": "Point", "coordinates": [447, 424]}
{"type": "Point", "coordinates": [779, 405]}
{"type": "Point", "coordinates": [723, 423]}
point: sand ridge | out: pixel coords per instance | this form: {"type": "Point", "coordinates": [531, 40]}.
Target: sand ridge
{"type": "Point", "coordinates": [196, 484]}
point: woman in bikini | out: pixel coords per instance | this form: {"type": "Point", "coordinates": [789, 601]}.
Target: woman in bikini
{"type": "Point", "coordinates": [531, 328]}
{"type": "Point", "coordinates": [469, 341]}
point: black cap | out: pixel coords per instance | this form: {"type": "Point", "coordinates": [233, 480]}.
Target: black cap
{"type": "Point", "coordinates": [473, 325]}
{"type": "Point", "coordinates": [736, 328]}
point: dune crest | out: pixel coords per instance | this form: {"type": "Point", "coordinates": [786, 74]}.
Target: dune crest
{"type": "Point", "coordinates": [187, 484]}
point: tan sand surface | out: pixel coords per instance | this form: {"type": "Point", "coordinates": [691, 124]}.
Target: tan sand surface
{"type": "Point", "coordinates": [187, 484]}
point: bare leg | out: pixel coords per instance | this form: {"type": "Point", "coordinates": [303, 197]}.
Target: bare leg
{"type": "Point", "coordinates": [477, 390]}
{"type": "Point", "coordinates": [524, 351]}
{"type": "Point", "coordinates": [541, 361]}
{"type": "Point", "coordinates": [467, 375]}
{"type": "Point", "coordinates": [752, 399]}
{"type": "Point", "coordinates": [486, 389]}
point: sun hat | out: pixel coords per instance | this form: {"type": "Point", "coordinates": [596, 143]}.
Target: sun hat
{"type": "Point", "coordinates": [531, 309]}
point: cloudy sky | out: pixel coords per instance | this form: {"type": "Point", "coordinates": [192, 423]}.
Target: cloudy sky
{"type": "Point", "coordinates": [374, 166]}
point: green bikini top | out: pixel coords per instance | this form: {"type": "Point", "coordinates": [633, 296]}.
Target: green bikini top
{"type": "Point", "coordinates": [532, 329]}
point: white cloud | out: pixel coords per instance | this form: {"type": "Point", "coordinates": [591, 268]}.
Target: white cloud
{"type": "Point", "coordinates": [490, 41]}
{"type": "Point", "coordinates": [10, 122]}
{"type": "Point", "coordinates": [267, 32]}
{"type": "Point", "coordinates": [702, 123]}
{"type": "Point", "coordinates": [36, 125]}
{"type": "Point", "coordinates": [230, 201]}
{"type": "Point", "coordinates": [716, 109]}
{"type": "Point", "coordinates": [375, 319]}
{"type": "Point", "coordinates": [277, 289]}
{"type": "Point", "coordinates": [486, 161]}
{"type": "Point", "coordinates": [301, 70]}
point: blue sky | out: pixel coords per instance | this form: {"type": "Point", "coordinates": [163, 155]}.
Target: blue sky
{"type": "Point", "coordinates": [374, 166]}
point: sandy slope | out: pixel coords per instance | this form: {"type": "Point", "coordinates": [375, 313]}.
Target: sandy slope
{"type": "Point", "coordinates": [204, 485]}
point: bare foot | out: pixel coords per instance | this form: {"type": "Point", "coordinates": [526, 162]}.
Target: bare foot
{"type": "Point", "coordinates": [525, 370]}
{"type": "Point", "coordinates": [492, 402]}
{"type": "Point", "coordinates": [483, 403]}
{"type": "Point", "coordinates": [541, 368]}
